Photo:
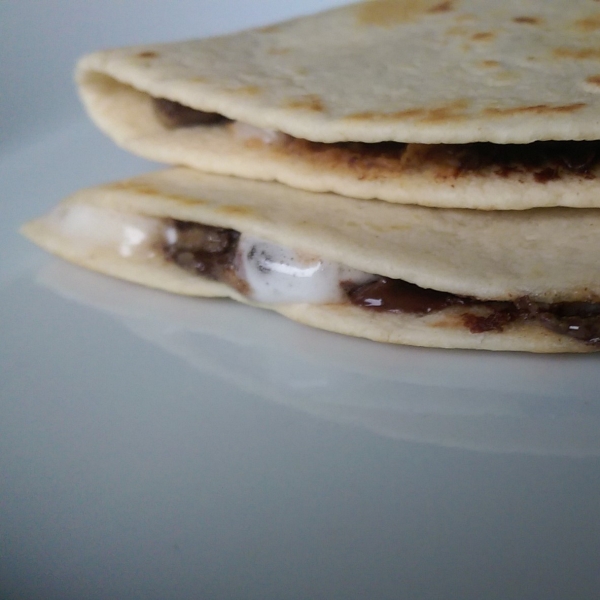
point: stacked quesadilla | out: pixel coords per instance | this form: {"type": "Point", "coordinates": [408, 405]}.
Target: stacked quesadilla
{"type": "Point", "coordinates": [460, 136]}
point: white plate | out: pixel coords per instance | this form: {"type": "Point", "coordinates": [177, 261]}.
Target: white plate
{"type": "Point", "coordinates": [162, 447]}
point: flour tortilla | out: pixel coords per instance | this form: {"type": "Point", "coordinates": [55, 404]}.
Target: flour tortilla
{"type": "Point", "coordinates": [414, 71]}
{"type": "Point", "coordinates": [546, 254]}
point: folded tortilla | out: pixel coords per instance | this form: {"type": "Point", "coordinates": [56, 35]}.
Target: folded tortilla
{"type": "Point", "coordinates": [448, 103]}
{"type": "Point", "coordinates": [450, 278]}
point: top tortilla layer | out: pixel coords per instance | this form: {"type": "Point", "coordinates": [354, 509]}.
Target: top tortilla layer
{"type": "Point", "coordinates": [419, 71]}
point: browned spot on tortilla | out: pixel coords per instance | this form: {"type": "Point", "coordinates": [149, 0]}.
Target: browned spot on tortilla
{"type": "Point", "coordinates": [537, 109]}
{"type": "Point", "coordinates": [591, 23]}
{"type": "Point", "coordinates": [489, 64]}
{"type": "Point", "coordinates": [452, 111]}
{"type": "Point", "coordinates": [143, 189]}
{"type": "Point", "coordinates": [399, 115]}
{"type": "Point", "coordinates": [527, 20]}
{"type": "Point", "coordinates": [310, 102]}
{"type": "Point", "coordinates": [579, 53]}
{"type": "Point", "coordinates": [442, 7]}
{"type": "Point", "coordinates": [180, 199]}
{"type": "Point", "coordinates": [147, 54]}
{"type": "Point", "coordinates": [232, 209]}
{"type": "Point", "coordinates": [593, 80]}
{"type": "Point", "coordinates": [247, 90]}
{"type": "Point", "coordinates": [133, 186]}
{"type": "Point", "coordinates": [387, 13]}
{"type": "Point", "coordinates": [483, 36]}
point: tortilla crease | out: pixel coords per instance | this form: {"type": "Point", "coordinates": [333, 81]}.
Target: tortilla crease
{"type": "Point", "coordinates": [411, 71]}
{"type": "Point", "coordinates": [546, 254]}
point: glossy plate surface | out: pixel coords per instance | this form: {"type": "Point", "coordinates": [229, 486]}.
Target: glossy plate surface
{"type": "Point", "coordinates": [161, 447]}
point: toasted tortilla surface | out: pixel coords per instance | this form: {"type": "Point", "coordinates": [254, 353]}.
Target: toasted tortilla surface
{"type": "Point", "coordinates": [408, 71]}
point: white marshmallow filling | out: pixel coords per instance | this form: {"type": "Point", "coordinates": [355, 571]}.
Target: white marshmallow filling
{"type": "Point", "coordinates": [265, 272]}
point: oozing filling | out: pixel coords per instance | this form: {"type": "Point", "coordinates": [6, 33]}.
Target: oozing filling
{"type": "Point", "coordinates": [269, 273]}
{"type": "Point", "coordinates": [261, 270]}
{"type": "Point", "coordinates": [547, 161]}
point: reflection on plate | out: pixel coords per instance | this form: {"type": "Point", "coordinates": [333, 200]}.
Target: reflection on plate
{"type": "Point", "coordinates": [496, 402]}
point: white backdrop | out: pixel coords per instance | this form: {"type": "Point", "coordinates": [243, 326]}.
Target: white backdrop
{"type": "Point", "coordinates": [41, 39]}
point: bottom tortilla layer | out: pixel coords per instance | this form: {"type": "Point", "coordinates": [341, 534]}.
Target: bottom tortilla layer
{"type": "Point", "coordinates": [443, 329]}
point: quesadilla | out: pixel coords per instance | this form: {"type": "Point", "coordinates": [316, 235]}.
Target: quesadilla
{"type": "Point", "coordinates": [452, 278]}
{"type": "Point", "coordinates": [449, 103]}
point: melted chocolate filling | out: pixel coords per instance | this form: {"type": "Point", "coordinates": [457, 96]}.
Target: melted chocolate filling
{"type": "Point", "coordinates": [395, 295]}
{"type": "Point", "coordinates": [204, 250]}
{"type": "Point", "coordinates": [210, 252]}
{"type": "Point", "coordinates": [579, 320]}
{"type": "Point", "coordinates": [547, 160]}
